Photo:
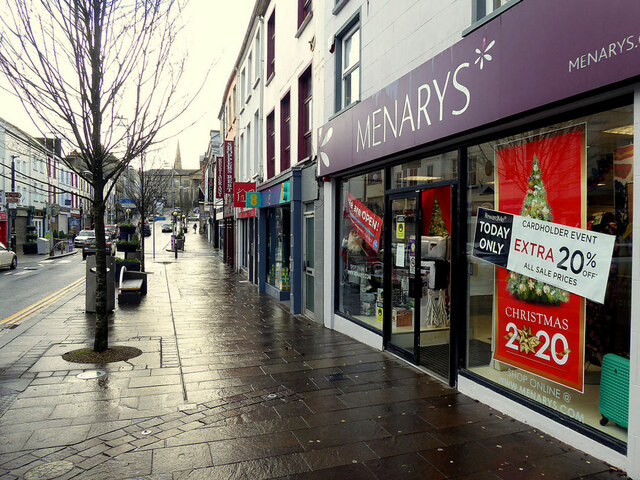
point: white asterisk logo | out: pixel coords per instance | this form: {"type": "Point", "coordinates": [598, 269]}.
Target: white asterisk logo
{"type": "Point", "coordinates": [483, 55]}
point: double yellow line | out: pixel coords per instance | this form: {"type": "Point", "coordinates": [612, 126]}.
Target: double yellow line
{"type": "Point", "coordinates": [25, 312]}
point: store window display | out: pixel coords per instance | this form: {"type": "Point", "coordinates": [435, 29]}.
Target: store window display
{"type": "Point", "coordinates": [278, 247]}
{"type": "Point", "coordinates": [548, 345]}
{"type": "Point", "coordinates": [361, 267]}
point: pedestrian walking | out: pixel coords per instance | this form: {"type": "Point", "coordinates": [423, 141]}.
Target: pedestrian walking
{"type": "Point", "coordinates": [195, 227]}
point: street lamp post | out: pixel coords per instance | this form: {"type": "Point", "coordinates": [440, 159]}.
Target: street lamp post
{"type": "Point", "coordinates": [175, 243]}
{"type": "Point", "coordinates": [13, 211]}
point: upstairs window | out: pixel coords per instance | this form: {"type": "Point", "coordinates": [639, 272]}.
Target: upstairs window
{"type": "Point", "coordinates": [249, 74]}
{"type": "Point", "coordinates": [348, 66]}
{"type": "Point", "coordinates": [271, 145]}
{"type": "Point", "coordinates": [257, 56]}
{"type": "Point", "coordinates": [305, 121]}
{"type": "Point", "coordinates": [243, 80]}
{"type": "Point", "coordinates": [484, 8]}
{"type": "Point", "coordinates": [304, 9]}
{"type": "Point", "coordinates": [285, 133]}
{"type": "Point", "coordinates": [271, 45]}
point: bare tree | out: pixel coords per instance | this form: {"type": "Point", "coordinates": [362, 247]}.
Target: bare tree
{"type": "Point", "coordinates": [100, 75]}
{"type": "Point", "coordinates": [146, 189]}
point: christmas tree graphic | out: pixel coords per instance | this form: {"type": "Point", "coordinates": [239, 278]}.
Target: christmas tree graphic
{"type": "Point", "coordinates": [437, 227]}
{"type": "Point", "coordinates": [536, 206]}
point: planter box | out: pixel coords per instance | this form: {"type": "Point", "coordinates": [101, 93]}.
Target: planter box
{"type": "Point", "coordinates": [126, 247]}
{"type": "Point", "coordinates": [127, 229]}
{"type": "Point", "coordinates": [28, 248]}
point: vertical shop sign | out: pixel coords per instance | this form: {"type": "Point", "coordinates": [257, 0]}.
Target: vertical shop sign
{"type": "Point", "coordinates": [366, 223]}
{"type": "Point", "coordinates": [219, 177]}
{"type": "Point", "coordinates": [228, 166]}
{"type": "Point", "coordinates": [539, 327]}
{"type": "Point", "coordinates": [210, 189]}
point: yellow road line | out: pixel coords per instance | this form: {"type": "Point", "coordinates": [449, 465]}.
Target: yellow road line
{"type": "Point", "coordinates": [42, 303]}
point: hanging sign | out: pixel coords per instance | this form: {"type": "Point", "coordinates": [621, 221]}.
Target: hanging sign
{"type": "Point", "coordinates": [284, 191]}
{"type": "Point", "coordinates": [254, 200]}
{"type": "Point", "coordinates": [219, 177]}
{"type": "Point", "coordinates": [240, 190]}
{"type": "Point", "coordinates": [228, 166]}
{"type": "Point", "coordinates": [366, 223]}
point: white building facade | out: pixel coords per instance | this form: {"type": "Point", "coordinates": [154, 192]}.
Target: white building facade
{"type": "Point", "coordinates": [433, 110]}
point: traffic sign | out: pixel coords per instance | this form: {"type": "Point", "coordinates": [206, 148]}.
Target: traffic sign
{"type": "Point", "coordinates": [13, 197]}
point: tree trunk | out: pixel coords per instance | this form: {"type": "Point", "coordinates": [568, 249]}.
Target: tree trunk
{"type": "Point", "coordinates": [101, 342]}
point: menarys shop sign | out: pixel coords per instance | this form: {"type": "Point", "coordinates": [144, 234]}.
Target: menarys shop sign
{"type": "Point", "coordinates": [532, 55]}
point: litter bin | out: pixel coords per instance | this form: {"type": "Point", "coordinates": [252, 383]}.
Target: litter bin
{"type": "Point", "coordinates": [91, 281]}
{"type": "Point", "coordinates": [43, 246]}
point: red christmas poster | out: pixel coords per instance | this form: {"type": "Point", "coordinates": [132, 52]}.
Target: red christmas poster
{"type": "Point", "coordinates": [539, 328]}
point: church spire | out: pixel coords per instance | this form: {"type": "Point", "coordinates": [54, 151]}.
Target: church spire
{"type": "Point", "coordinates": [177, 164]}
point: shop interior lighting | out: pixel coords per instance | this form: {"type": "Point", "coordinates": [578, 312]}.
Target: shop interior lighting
{"type": "Point", "coordinates": [418, 178]}
{"type": "Point", "coordinates": [624, 130]}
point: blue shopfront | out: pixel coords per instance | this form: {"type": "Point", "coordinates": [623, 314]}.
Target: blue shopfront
{"type": "Point", "coordinates": [280, 240]}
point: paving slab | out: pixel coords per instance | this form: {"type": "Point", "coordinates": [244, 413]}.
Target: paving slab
{"type": "Point", "coordinates": [230, 385]}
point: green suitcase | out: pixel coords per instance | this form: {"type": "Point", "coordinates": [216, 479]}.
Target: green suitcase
{"type": "Point", "coordinates": [614, 390]}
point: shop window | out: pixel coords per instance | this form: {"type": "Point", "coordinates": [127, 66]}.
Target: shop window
{"type": "Point", "coordinates": [305, 120]}
{"type": "Point", "coordinates": [360, 261]}
{"type": "Point", "coordinates": [278, 247]}
{"type": "Point", "coordinates": [425, 170]}
{"type": "Point", "coordinates": [348, 65]}
{"type": "Point", "coordinates": [526, 335]}
{"type": "Point", "coordinates": [271, 45]}
{"type": "Point", "coordinates": [271, 144]}
{"type": "Point", "coordinates": [285, 132]}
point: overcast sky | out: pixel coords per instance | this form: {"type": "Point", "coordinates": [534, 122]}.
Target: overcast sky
{"type": "Point", "coordinates": [214, 30]}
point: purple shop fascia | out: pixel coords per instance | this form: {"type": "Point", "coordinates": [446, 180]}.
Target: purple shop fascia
{"type": "Point", "coordinates": [532, 55]}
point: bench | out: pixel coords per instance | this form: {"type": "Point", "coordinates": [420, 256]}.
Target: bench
{"type": "Point", "coordinates": [132, 286]}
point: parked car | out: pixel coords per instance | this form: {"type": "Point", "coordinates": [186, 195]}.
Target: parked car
{"type": "Point", "coordinates": [111, 231]}
{"type": "Point", "coordinates": [146, 230]}
{"type": "Point", "coordinates": [89, 247]}
{"type": "Point", "coordinates": [166, 227]}
{"type": "Point", "coordinates": [8, 258]}
{"type": "Point", "coordinates": [82, 237]}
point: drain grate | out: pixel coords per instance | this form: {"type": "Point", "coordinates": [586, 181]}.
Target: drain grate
{"type": "Point", "coordinates": [334, 377]}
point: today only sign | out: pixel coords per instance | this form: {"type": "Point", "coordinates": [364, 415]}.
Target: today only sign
{"type": "Point", "coordinates": [573, 259]}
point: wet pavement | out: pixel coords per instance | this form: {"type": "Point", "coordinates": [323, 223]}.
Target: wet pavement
{"type": "Point", "coordinates": [230, 385]}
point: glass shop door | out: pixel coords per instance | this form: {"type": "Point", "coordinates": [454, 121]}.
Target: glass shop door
{"type": "Point", "coordinates": [417, 314]}
{"type": "Point", "coordinates": [399, 312]}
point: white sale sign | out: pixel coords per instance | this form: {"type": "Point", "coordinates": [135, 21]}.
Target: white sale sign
{"type": "Point", "coordinates": [572, 259]}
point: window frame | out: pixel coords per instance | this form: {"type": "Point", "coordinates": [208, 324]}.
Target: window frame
{"type": "Point", "coordinates": [305, 100]}
{"type": "Point", "coordinates": [271, 46]}
{"type": "Point", "coordinates": [271, 144]}
{"type": "Point", "coordinates": [305, 9]}
{"type": "Point", "coordinates": [285, 132]}
{"type": "Point", "coordinates": [478, 18]}
{"type": "Point", "coordinates": [347, 30]}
